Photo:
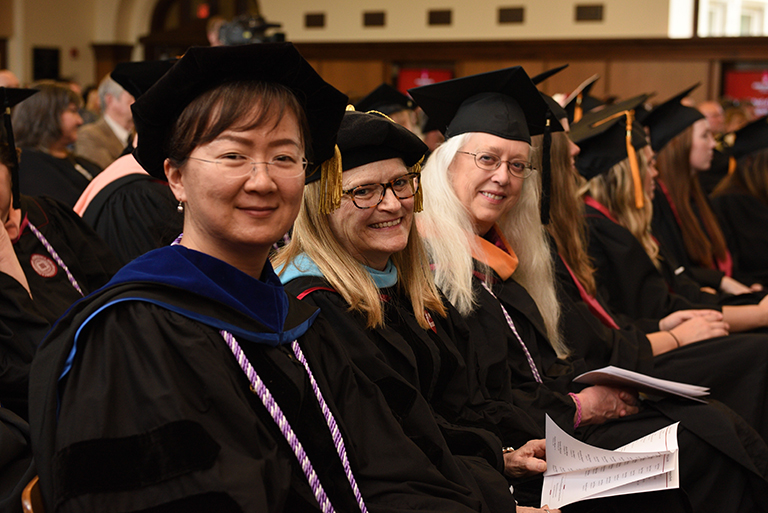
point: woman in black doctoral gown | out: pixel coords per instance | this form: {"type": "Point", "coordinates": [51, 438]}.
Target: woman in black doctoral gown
{"type": "Point", "coordinates": [192, 381]}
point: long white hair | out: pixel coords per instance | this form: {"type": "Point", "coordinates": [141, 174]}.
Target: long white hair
{"type": "Point", "coordinates": [449, 236]}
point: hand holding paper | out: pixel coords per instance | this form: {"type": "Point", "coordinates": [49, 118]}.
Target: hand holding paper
{"type": "Point", "coordinates": [577, 471]}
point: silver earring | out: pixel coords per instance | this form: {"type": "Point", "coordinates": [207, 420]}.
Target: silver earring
{"type": "Point", "coordinates": [180, 207]}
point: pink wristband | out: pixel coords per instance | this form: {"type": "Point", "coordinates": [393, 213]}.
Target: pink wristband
{"type": "Point", "coordinates": [578, 409]}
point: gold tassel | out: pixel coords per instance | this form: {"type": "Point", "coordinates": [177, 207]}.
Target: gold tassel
{"type": "Point", "coordinates": [330, 183]}
{"type": "Point", "coordinates": [578, 113]}
{"type": "Point", "coordinates": [633, 164]}
{"type": "Point", "coordinates": [731, 165]}
{"type": "Point", "coordinates": [418, 198]}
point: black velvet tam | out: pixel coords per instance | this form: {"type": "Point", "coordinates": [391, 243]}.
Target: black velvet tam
{"type": "Point", "coordinates": [138, 77]}
{"type": "Point", "coordinates": [369, 137]}
{"type": "Point", "coordinates": [385, 99]}
{"type": "Point", "coordinates": [204, 68]}
{"type": "Point", "coordinates": [504, 103]}
{"type": "Point", "coordinates": [601, 135]}
{"type": "Point", "coordinates": [670, 118]}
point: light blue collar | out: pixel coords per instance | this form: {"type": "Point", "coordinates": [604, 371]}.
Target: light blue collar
{"type": "Point", "coordinates": [302, 265]}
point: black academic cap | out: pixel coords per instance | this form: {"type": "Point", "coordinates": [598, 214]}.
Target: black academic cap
{"type": "Point", "coordinates": [10, 97]}
{"type": "Point", "coordinates": [541, 77]}
{"type": "Point", "coordinates": [366, 137]}
{"type": "Point", "coordinates": [504, 103]}
{"type": "Point", "coordinates": [604, 140]}
{"type": "Point", "coordinates": [385, 99]}
{"type": "Point", "coordinates": [579, 102]}
{"type": "Point", "coordinates": [429, 125]}
{"type": "Point", "coordinates": [138, 77]}
{"type": "Point", "coordinates": [670, 118]}
{"type": "Point", "coordinates": [204, 68]}
{"type": "Point", "coordinates": [750, 138]}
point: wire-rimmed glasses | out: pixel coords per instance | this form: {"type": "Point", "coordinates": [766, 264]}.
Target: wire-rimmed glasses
{"type": "Point", "coordinates": [490, 162]}
{"type": "Point", "coordinates": [237, 165]}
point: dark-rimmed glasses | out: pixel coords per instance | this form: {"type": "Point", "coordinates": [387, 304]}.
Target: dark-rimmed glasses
{"type": "Point", "coordinates": [490, 162]}
{"type": "Point", "coordinates": [237, 165]}
{"type": "Point", "coordinates": [370, 195]}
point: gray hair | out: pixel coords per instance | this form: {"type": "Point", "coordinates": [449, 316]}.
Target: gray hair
{"type": "Point", "coordinates": [108, 86]}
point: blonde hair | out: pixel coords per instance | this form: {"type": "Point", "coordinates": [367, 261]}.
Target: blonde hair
{"type": "Point", "coordinates": [615, 189]}
{"type": "Point", "coordinates": [450, 239]}
{"type": "Point", "coordinates": [312, 236]}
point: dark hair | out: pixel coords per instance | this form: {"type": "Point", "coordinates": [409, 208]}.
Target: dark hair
{"type": "Point", "coordinates": [37, 120]}
{"type": "Point", "coordinates": [750, 177]}
{"type": "Point", "coordinates": [242, 105]}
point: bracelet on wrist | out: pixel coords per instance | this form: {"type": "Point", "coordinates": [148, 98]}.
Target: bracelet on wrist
{"type": "Point", "coordinates": [677, 340]}
{"type": "Point", "coordinates": [505, 450]}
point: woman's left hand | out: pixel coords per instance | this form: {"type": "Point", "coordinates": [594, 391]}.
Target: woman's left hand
{"type": "Point", "coordinates": [526, 461]}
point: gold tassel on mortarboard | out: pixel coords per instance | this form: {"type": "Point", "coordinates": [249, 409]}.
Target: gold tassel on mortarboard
{"type": "Point", "coordinates": [633, 164]}
{"type": "Point", "coordinates": [330, 183]}
{"type": "Point", "coordinates": [631, 154]}
{"type": "Point", "coordinates": [418, 198]}
{"type": "Point", "coordinates": [731, 165]}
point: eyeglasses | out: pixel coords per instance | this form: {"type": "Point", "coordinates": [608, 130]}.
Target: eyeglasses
{"type": "Point", "coordinates": [371, 194]}
{"type": "Point", "coordinates": [491, 162]}
{"type": "Point", "coordinates": [236, 165]}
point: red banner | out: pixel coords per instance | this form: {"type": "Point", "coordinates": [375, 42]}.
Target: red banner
{"type": "Point", "coordinates": [748, 85]}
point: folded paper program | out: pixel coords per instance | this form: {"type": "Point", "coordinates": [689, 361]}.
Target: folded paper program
{"type": "Point", "coordinates": [577, 471]}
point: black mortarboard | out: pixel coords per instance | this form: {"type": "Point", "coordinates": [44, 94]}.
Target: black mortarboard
{"type": "Point", "coordinates": [385, 99]}
{"type": "Point", "coordinates": [138, 77]}
{"type": "Point", "coordinates": [579, 102]}
{"type": "Point", "coordinates": [504, 103]}
{"type": "Point", "coordinates": [10, 97]}
{"type": "Point", "coordinates": [366, 137]}
{"type": "Point", "coordinates": [608, 136]}
{"type": "Point", "coordinates": [204, 68]}
{"type": "Point", "coordinates": [541, 77]}
{"type": "Point", "coordinates": [750, 138]}
{"type": "Point", "coordinates": [429, 125]}
{"type": "Point", "coordinates": [670, 118]}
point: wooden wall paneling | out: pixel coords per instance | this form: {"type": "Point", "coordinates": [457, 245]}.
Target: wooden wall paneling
{"type": "Point", "coordinates": [665, 78]}
{"type": "Point", "coordinates": [714, 83]}
{"type": "Point", "coordinates": [355, 78]}
{"type": "Point", "coordinates": [576, 73]}
{"type": "Point", "coordinates": [471, 67]}
{"type": "Point", "coordinates": [107, 57]}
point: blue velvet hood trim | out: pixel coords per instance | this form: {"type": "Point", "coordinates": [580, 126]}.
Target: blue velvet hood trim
{"type": "Point", "coordinates": [302, 265]}
{"type": "Point", "coordinates": [264, 301]}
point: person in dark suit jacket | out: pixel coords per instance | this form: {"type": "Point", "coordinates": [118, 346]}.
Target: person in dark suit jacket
{"type": "Point", "coordinates": [103, 141]}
